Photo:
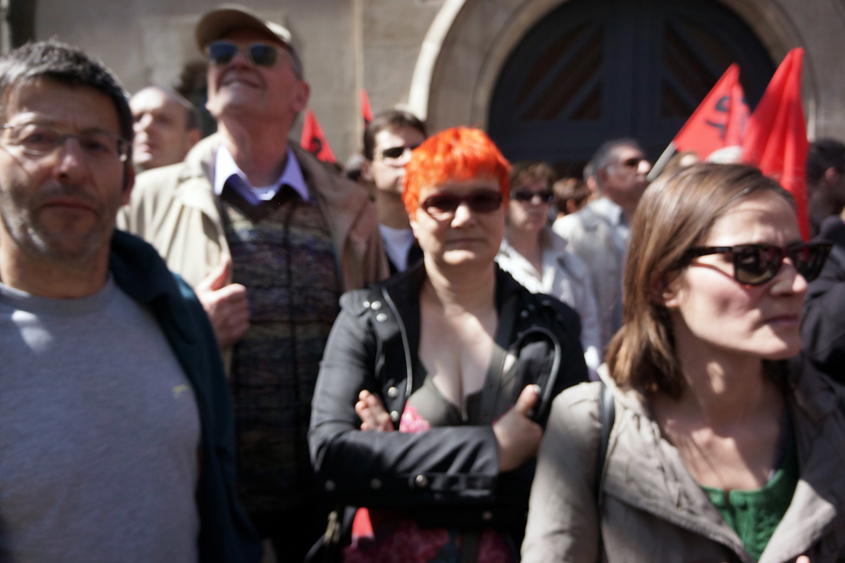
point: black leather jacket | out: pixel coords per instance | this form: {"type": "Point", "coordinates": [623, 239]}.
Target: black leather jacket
{"type": "Point", "coordinates": [445, 476]}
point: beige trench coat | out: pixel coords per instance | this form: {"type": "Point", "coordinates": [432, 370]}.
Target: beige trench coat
{"type": "Point", "coordinates": [653, 511]}
{"type": "Point", "coordinates": [174, 209]}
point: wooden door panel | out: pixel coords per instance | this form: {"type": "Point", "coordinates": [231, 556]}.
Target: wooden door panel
{"type": "Point", "coordinates": [593, 70]}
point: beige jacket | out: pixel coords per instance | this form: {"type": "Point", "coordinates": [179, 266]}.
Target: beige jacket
{"type": "Point", "coordinates": [174, 209]}
{"type": "Point", "coordinates": [653, 511]}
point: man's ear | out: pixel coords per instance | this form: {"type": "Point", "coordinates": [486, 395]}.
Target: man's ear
{"type": "Point", "coordinates": [831, 176]}
{"type": "Point", "coordinates": [303, 93]}
{"type": "Point", "coordinates": [601, 177]}
{"type": "Point", "coordinates": [194, 137]}
{"type": "Point", "coordinates": [128, 182]}
{"type": "Point", "coordinates": [366, 170]}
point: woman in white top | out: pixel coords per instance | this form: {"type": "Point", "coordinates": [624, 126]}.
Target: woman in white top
{"type": "Point", "coordinates": [537, 258]}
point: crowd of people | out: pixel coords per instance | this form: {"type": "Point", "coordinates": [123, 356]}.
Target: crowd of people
{"type": "Point", "coordinates": [222, 349]}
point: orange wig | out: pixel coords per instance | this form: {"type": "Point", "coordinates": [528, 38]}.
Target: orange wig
{"type": "Point", "coordinates": [457, 154]}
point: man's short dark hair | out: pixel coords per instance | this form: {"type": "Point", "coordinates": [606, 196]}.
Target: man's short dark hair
{"type": "Point", "coordinates": [387, 119]}
{"type": "Point", "coordinates": [602, 158]}
{"type": "Point", "coordinates": [192, 116]}
{"type": "Point", "coordinates": [823, 155]}
{"type": "Point", "coordinates": [66, 65]}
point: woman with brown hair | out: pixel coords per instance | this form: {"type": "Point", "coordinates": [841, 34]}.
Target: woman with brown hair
{"type": "Point", "coordinates": [718, 451]}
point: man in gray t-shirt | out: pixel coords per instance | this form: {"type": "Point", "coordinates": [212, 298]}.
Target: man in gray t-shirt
{"type": "Point", "coordinates": [116, 435]}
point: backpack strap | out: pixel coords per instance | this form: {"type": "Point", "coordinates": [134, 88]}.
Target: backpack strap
{"type": "Point", "coordinates": [607, 416]}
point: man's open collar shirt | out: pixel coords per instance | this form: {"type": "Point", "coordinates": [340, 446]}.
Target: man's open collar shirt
{"type": "Point", "coordinates": [227, 171]}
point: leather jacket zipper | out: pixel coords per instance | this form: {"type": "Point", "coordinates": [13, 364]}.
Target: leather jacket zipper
{"type": "Point", "coordinates": [407, 347]}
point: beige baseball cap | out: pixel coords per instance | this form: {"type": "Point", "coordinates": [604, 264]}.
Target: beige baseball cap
{"type": "Point", "coordinates": [218, 22]}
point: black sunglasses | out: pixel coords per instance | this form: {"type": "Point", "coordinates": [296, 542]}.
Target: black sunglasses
{"type": "Point", "coordinates": [443, 206]}
{"type": "Point", "coordinates": [261, 54]}
{"type": "Point", "coordinates": [396, 152]}
{"type": "Point", "coordinates": [633, 162]}
{"type": "Point", "coordinates": [546, 196]}
{"type": "Point", "coordinates": [755, 264]}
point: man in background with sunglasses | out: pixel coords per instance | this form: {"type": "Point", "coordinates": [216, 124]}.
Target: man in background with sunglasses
{"type": "Point", "coordinates": [388, 141]}
{"type": "Point", "coordinates": [598, 233]}
{"type": "Point", "coordinates": [825, 182]}
{"type": "Point", "coordinates": [270, 238]}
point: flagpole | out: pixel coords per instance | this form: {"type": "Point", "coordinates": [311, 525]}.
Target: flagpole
{"type": "Point", "coordinates": [662, 162]}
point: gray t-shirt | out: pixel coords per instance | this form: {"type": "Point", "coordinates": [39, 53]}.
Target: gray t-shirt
{"type": "Point", "coordinates": [99, 433]}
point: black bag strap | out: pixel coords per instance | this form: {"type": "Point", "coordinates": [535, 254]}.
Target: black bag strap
{"type": "Point", "coordinates": [607, 416]}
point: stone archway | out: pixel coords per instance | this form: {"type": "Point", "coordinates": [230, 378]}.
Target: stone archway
{"type": "Point", "coordinates": [470, 40]}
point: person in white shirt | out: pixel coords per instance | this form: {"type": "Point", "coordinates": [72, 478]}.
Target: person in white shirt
{"type": "Point", "coordinates": [537, 258]}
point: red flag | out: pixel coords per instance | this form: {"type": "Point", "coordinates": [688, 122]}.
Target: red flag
{"type": "Point", "coordinates": [776, 141]}
{"type": "Point", "coordinates": [719, 121]}
{"type": "Point", "coordinates": [313, 140]}
{"type": "Point", "coordinates": [366, 110]}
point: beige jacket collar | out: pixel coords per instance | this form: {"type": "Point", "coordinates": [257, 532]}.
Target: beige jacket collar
{"type": "Point", "coordinates": [645, 471]}
{"type": "Point", "coordinates": [341, 207]}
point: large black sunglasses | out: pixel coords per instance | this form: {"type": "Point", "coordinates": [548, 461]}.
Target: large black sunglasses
{"type": "Point", "coordinates": [443, 206]}
{"type": "Point", "coordinates": [396, 152]}
{"type": "Point", "coordinates": [261, 54]}
{"type": "Point", "coordinates": [546, 196]}
{"type": "Point", "coordinates": [755, 264]}
{"type": "Point", "coordinates": [633, 162]}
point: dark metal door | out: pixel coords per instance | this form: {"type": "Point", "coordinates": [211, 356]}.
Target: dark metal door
{"type": "Point", "coordinates": [594, 70]}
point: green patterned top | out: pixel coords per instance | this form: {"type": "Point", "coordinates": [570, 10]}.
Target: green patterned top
{"type": "Point", "coordinates": [754, 515]}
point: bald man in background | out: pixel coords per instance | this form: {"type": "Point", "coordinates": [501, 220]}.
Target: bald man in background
{"type": "Point", "coordinates": [166, 127]}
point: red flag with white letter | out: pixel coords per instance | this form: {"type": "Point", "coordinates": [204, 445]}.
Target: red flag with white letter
{"type": "Point", "coordinates": [776, 141]}
{"type": "Point", "coordinates": [366, 110]}
{"type": "Point", "coordinates": [719, 121]}
{"type": "Point", "coordinates": [313, 140]}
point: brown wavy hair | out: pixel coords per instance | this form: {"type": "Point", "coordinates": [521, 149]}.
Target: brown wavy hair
{"type": "Point", "coordinates": [675, 214]}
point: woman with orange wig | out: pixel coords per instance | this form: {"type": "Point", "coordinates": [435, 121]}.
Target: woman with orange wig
{"type": "Point", "coordinates": [436, 384]}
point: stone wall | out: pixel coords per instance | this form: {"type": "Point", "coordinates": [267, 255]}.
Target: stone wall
{"type": "Point", "coordinates": [440, 58]}
{"type": "Point", "coordinates": [147, 42]}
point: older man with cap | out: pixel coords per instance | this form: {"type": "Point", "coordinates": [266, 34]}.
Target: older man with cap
{"type": "Point", "coordinates": [269, 238]}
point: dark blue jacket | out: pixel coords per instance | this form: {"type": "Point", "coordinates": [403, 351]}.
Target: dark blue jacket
{"type": "Point", "coordinates": [226, 534]}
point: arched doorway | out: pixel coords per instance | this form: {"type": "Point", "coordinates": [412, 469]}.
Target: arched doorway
{"type": "Point", "coordinates": [593, 70]}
